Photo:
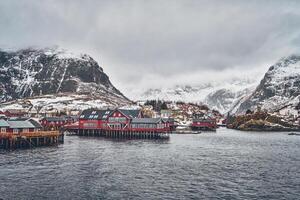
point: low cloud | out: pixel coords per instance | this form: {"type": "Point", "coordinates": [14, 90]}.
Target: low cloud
{"type": "Point", "coordinates": [149, 43]}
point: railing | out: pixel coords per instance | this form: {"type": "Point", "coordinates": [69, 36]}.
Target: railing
{"type": "Point", "coordinates": [5, 135]}
{"type": "Point", "coordinates": [165, 129]}
{"type": "Point", "coordinates": [30, 134]}
{"type": "Point", "coordinates": [40, 133]}
{"type": "Point", "coordinates": [106, 128]}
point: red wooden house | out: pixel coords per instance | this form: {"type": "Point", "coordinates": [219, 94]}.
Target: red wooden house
{"type": "Point", "coordinates": [14, 113]}
{"type": "Point", "coordinates": [17, 126]}
{"type": "Point", "coordinates": [121, 119]}
{"type": "Point", "coordinates": [103, 119]}
{"type": "Point", "coordinates": [93, 118]}
{"type": "Point", "coordinates": [171, 123]}
{"type": "Point", "coordinates": [55, 123]}
{"type": "Point", "coordinates": [203, 122]}
{"type": "Point", "coordinates": [149, 124]}
{"type": "Point", "coordinates": [4, 126]}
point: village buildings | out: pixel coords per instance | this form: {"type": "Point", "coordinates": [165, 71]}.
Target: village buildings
{"type": "Point", "coordinates": [120, 119]}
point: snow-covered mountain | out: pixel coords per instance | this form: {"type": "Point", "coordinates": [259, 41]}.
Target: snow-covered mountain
{"type": "Point", "coordinates": [29, 73]}
{"type": "Point", "coordinates": [218, 95]}
{"type": "Point", "coordinates": [279, 87]}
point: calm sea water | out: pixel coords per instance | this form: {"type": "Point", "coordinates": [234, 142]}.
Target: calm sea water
{"type": "Point", "coordinates": [227, 164]}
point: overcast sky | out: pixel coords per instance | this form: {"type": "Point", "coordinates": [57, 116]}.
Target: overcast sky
{"type": "Point", "coordinates": [153, 43]}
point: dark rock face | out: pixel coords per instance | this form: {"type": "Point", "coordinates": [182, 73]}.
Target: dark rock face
{"type": "Point", "coordinates": [280, 86]}
{"type": "Point", "coordinates": [32, 72]}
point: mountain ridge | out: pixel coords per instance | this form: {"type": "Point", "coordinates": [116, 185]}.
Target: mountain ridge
{"type": "Point", "coordinates": [220, 96]}
{"type": "Point", "coordinates": [32, 72]}
{"type": "Point", "coordinates": [279, 87]}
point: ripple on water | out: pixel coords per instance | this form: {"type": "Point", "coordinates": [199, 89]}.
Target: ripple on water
{"type": "Point", "coordinates": [223, 165]}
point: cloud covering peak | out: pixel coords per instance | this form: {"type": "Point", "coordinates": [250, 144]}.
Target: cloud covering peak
{"type": "Point", "coordinates": [146, 43]}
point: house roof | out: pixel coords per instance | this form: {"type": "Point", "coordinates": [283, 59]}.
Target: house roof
{"type": "Point", "coordinates": [130, 113]}
{"type": "Point", "coordinates": [15, 111]}
{"type": "Point", "coordinates": [168, 120]}
{"type": "Point", "coordinates": [94, 114]}
{"type": "Point", "coordinates": [20, 124]}
{"type": "Point", "coordinates": [3, 123]}
{"type": "Point", "coordinates": [18, 118]}
{"type": "Point", "coordinates": [146, 120]}
{"type": "Point", "coordinates": [35, 123]}
{"type": "Point", "coordinates": [75, 117]}
{"type": "Point", "coordinates": [204, 120]}
{"type": "Point", "coordinates": [2, 116]}
{"type": "Point", "coordinates": [54, 119]}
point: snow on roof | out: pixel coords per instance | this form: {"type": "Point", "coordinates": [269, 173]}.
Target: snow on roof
{"type": "Point", "coordinates": [130, 113]}
{"type": "Point", "coordinates": [3, 123]}
{"type": "Point", "coordinates": [146, 120]}
{"type": "Point", "coordinates": [94, 114]}
{"type": "Point", "coordinates": [20, 124]}
{"type": "Point", "coordinates": [35, 123]}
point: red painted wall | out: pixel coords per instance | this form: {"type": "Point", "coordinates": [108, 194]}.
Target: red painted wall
{"type": "Point", "coordinates": [10, 130]}
{"type": "Point", "coordinates": [204, 124]}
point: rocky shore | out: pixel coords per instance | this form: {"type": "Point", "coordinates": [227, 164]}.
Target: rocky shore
{"type": "Point", "coordinates": [260, 121]}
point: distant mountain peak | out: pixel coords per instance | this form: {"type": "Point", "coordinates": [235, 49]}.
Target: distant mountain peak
{"type": "Point", "coordinates": [279, 87]}
{"type": "Point", "coordinates": [218, 95]}
{"type": "Point", "coordinates": [32, 72]}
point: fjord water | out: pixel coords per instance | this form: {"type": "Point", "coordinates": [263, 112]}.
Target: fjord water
{"type": "Point", "coordinates": [226, 164]}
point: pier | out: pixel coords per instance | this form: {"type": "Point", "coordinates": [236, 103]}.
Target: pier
{"type": "Point", "coordinates": [120, 134]}
{"type": "Point", "coordinates": [30, 139]}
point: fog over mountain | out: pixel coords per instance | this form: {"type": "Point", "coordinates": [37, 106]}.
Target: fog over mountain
{"type": "Point", "coordinates": [149, 44]}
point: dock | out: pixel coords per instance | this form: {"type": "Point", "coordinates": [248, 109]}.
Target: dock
{"type": "Point", "coordinates": [119, 134]}
{"type": "Point", "coordinates": [30, 139]}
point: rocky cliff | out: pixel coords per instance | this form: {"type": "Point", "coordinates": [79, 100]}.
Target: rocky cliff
{"type": "Point", "coordinates": [37, 72]}
{"type": "Point", "coordinates": [279, 87]}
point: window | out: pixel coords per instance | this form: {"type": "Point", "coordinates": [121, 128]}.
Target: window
{"type": "Point", "coordinates": [90, 124]}
{"type": "Point", "coordinates": [117, 119]}
{"type": "Point", "coordinates": [25, 130]}
{"type": "Point", "coordinates": [15, 130]}
{"type": "Point", "coordinates": [3, 130]}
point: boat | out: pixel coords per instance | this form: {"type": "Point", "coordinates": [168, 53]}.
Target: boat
{"type": "Point", "coordinates": [196, 132]}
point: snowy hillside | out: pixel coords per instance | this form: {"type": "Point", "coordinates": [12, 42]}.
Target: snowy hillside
{"type": "Point", "coordinates": [62, 102]}
{"type": "Point", "coordinates": [221, 96]}
{"type": "Point", "coordinates": [279, 87]}
{"type": "Point", "coordinates": [37, 72]}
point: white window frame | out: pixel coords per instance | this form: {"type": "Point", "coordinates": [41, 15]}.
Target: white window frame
{"type": "Point", "coordinates": [25, 130]}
